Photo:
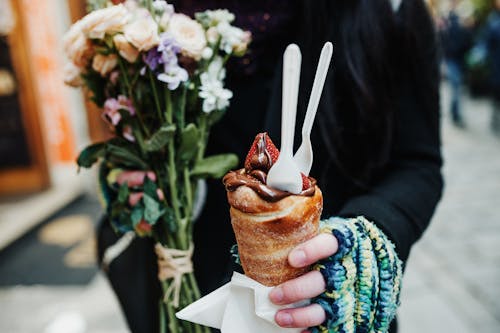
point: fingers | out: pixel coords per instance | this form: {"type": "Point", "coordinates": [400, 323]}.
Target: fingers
{"type": "Point", "coordinates": [134, 178]}
{"type": "Point", "coordinates": [317, 248]}
{"type": "Point", "coordinates": [312, 315]}
{"type": "Point", "coordinates": [306, 286]}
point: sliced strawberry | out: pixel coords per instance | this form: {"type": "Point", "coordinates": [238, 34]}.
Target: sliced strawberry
{"type": "Point", "coordinates": [253, 150]}
{"type": "Point", "coordinates": [272, 150]}
{"type": "Point", "coordinates": [306, 182]}
{"type": "Point", "coordinates": [262, 139]}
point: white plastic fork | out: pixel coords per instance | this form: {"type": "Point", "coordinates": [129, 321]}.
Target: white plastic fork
{"type": "Point", "coordinates": [304, 156]}
{"type": "Point", "coordinates": [284, 174]}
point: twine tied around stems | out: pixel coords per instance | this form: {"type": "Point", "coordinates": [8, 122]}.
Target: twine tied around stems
{"type": "Point", "coordinates": [173, 264]}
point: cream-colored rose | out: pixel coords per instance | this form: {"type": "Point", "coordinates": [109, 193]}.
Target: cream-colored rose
{"type": "Point", "coordinates": [189, 34]}
{"type": "Point", "coordinates": [142, 33]}
{"type": "Point", "coordinates": [72, 75]}
{"type": "Point", "coordinates": [105, 21]}
{"type": "Point", "coordinates": [125, 49]}
{"type": "Point", "coordinates": [77, 47]}
{"type": "Point", "coordinates": [104, 64]}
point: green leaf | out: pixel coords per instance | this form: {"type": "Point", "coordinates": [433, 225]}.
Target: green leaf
{"type": "Point", "coordinates": [124, 156]}
{"type": "Point", "coordinates": [136, 215]}
{"type": "Point", "coordinates": [123, 193]}
{"type": "Point", "coordinates": [153, 209]}
{"type": "Point", "coordinates": [150, 188]}
{"type": "Point", "coordinates": [189, 142]}
{"type": "Point", "coordinates": [169, 219]}
{"type": "Point", "coordinates": [215, 166]}
{"type": "Point", "coordinates": [91, 154]}
{"type": "Point", "coordinates": [160, 138]}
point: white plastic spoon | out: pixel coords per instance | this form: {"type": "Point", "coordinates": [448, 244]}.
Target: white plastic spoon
{"type": "Point", "coordinates": [284, 174]}
{"type": "Point", "coordinates": [304, 155]}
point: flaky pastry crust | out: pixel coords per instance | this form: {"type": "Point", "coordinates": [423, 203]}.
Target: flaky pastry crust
{"type": "Point", "coordinates": [266, 232]}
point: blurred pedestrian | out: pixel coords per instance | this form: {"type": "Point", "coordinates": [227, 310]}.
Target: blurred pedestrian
{"type": "Point", "coordinates": [456, 39]}
{"type": "Point", "coordinates": [491, 36]}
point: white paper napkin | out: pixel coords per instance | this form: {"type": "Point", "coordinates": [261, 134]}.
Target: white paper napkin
{"type": "Point", "coordinates": [241, 306]}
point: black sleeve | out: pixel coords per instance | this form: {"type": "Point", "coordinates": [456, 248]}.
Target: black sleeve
{"type": "Point", "coordinates": [403, 199]}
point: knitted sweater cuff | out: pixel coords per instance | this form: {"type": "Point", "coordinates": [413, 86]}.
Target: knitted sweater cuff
{"type": "Point", "coordinates": [363, 279]}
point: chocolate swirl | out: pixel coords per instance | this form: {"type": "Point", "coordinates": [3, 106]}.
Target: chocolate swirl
{"type": "Point", "coordinates": [256, 181]}
{"type": "Point", "coordinates": [254, 175]}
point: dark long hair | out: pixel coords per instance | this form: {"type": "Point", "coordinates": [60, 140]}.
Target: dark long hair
{"type": "Point", "coordinates": [372, 45]}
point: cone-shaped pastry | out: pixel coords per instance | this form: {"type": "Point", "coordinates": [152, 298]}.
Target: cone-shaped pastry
{"type": "Point", "coordinates": [269, 223]}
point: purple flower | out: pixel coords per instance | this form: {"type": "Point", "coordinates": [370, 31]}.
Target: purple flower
{"type": "Point", "coordinates": [172, 74]}
{"type": "Point", "coordinates": [166, 54]}
{"type": "Point", "coordinates": [169, 49]}
{"type": "Point", "coordinates": [152, 59]}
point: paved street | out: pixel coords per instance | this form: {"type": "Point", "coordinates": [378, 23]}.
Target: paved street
{"type": "Point", "coordinates": [452, 283]}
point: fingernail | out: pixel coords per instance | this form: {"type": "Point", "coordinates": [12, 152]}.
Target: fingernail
{"type": "Point", "coordinates": [276, 295]}
{"type": "Point", "coordinates": [284, 319]}
{"type": "Point", "coordinates": [297, 258]}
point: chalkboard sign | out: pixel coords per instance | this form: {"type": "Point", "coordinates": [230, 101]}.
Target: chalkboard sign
{"type": "Point", "coordinates": [14, 149]}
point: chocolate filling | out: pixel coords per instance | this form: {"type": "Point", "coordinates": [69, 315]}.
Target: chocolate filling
{"type": "Point", "coordinates": [255, 175]}
{"type": "Point", "coordinates": [254, 180]}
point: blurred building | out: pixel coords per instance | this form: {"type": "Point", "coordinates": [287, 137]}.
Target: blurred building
{"type": "Point", "coordinates": [43, 123]}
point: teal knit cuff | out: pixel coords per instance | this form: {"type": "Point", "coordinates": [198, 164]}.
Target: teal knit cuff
{"type": "Point", "coordinates": [363, 279]}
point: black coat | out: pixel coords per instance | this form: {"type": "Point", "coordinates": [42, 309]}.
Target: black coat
{"type": "Point", "coordinates": [399, 196]}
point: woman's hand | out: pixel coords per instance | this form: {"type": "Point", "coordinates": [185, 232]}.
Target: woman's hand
{"type": "Point", "coordinates": [306, 286]}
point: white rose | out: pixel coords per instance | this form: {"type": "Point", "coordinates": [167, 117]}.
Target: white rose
{"type": "Point", "coordinates": [142, 33]}
{"type": "Point", "coordinates": [77, 47]}
{"type": "Point", "coordinates": [105, 21]}
{"type": "Point", "coordinates": [125, 49]}
{"type": "Point", "coordinates": [72, 75]}
{"type": "Point", "coordinates": [131, 5]}
{"type": "Point", "coordinates": [104, 64]}
{"type": "Point", "coordinates": [189, 34]}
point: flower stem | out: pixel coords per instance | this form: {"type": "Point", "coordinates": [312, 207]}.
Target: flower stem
{"type": "Point", "coordinates": [203, 136]}
{"type": "Point", "coordinates": [168, 106]}
{"type": "Point", "coordinates": [130, 94]}
{"type": "Point", "coordinates": [172, 320]}
{"type": "Point", "coordinates": [172, 175]}
{"type": "Point", "coordinates": [155, 95]}
{"type": "Point", "coordinates": [163, 323]}
{"type": "Point", "coordinates": [189, 195]}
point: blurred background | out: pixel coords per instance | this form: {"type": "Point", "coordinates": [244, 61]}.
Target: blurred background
{"type": "Point", "coordinates": [49, 280]}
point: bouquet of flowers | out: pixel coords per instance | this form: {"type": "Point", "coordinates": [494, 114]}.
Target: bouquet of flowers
{"type": "Point", "coordinates": [158, 77]}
